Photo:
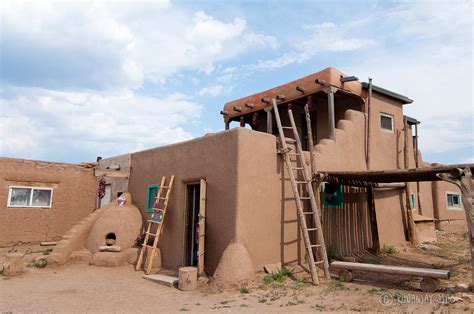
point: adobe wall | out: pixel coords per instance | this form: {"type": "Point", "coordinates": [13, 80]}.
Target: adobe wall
{"type": "Point", "coordinates": [74, 192]}
{"type": "Point", "coordinates": [118, 185]}
{"type": "Point", "coordinates": [447, 219]}
{"type": "Point", "coordinates": [212, 157]}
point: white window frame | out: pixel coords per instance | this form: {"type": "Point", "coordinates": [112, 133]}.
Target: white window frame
{"type": "Point", "coordinates": [10, 188]}
{"type": "Point", "coordinates": [392, 118]}
{"type": "Point", "coordinates": [460, 201]}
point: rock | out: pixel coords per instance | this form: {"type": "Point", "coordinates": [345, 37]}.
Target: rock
{"type": "Point", "coordinates": [462, 287]}
{"type": "Point", "coordinates": [80, 256]}
{"type": "Point", "coordinates": [131, 255]}
{"type": "Point", "coordinates": [108, 259]}
{"type": "Point", "coordinates": [13, 264]}
{"type": "Point", "coordinates": [111, 248]}
{"type": "Point", "coordinates": [272, 268]}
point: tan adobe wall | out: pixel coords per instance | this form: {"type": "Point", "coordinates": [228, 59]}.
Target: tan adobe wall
{"type": "Point", "coordinates": [347, 152]}
{"type": "Point", "coordinates": [118, 185]}
{"type": "Point", "coordinates": [74, 192]}
{"type": "Point", "coordinates": [212, 157]}
{"type": "Point", "coordinates": [448, 218]}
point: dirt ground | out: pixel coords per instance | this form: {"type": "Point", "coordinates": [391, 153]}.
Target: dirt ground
{"type": "Point", "coordinates": [79, 287]}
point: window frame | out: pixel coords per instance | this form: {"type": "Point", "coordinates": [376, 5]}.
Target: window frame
{"type": "Point", "coordinates": [413, 200]}
{"type": "Point", "coordinates": [151, 186]}
{"type": "Point", "coordinates": [30, 201]}
{"type": "Point", "coordinates": [392, 119]}
{"type": "Point", "coordinates": [455, 208]}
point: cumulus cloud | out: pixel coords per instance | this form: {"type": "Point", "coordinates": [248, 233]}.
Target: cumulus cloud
{"type": "Point", "coordinates": [42, 123]}
{"type": "Point", "coordinates": [97, 45]}
{"type": "Point", "coordinates": [212, 91]}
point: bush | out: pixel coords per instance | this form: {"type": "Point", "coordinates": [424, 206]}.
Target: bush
{"type": "Point", "coordinates": [278, 276]}
{"type": "Point", "coordinates": [388, 249]}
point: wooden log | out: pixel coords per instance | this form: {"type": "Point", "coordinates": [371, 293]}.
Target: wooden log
{"type": "Point", "coordinates": [345, 275]}
{"type": "Point", "coordinates": [394, 270]}
{"type": "Point", "coordinates": [428, 284]}
{"type": "Point", "coordinates": [187, 278]}
{"type": "Point", "coordinates": [48, 243]}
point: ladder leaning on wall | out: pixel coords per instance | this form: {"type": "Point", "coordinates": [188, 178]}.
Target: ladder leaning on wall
{"type": "Point", "coordinates": [155, 225]}
{"type": "Point", "coordinates": [302, 169]}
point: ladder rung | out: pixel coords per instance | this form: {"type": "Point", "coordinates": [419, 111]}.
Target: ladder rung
{"type": "Point", "coordinates": [305, 197]}
{"type": "Point", "coordinates": [157, 209]}
{"type": "Point", "coordinates": [290, 140]}
{"type": "Point", "coordinates": [152, 234]}
{"type": "Point", "coordinates": [287, 127]}
{"type": "Point", "coordinates": [312, 229]}
{"type": "Point", "coordinates": [308, 213]}
{"type": "Point", "coordinates": [165, 187]}
{"type": "Point", "coordinates": [154, 221]}
{"type": "Point", "coordinates": [298, 168]}
{"type": "Point", "coordinates": [319, 262]}
{"type": "Point", "coordinates": [161, 198]}
{"type": "Point", "coordinates": [301, 182]}
{"type": "Point", "coordinates": [316, 245]}
{"type": "Point", "coordinates": [148, 246]}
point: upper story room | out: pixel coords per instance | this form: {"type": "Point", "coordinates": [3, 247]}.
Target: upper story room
{"type": "Point", "coordinates": [329, 94]}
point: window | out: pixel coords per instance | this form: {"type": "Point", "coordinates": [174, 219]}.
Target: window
{"type": "Point", "coordinates": [24, 196]}
{"type": "Point", "coordinates": [386, 121]}
{"type": "Point", "coordinates": [151, 197]}
{"type": "Point", "coordinates": [333, 195]}
{"type": "Point", "coordinates": [413, 200]}
{"type": "Point", "coordinates": [454, 200]}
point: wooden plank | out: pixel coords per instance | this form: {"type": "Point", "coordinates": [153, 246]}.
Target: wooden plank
{"type": "Point", "coordinates": [394, 270]}
{"type": "Point", "coordinates": [202, 227]}
{"type": "Point", "coordinates": [111, 173]}
{"type": "Point", "coordinates": [163, 279]}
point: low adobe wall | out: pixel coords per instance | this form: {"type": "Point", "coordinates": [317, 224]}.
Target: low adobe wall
{"type": "Point", "coordinates": [74, 191]}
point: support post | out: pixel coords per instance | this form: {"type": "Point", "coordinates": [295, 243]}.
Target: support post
{"type": "Point", "coordinates": [462, 178]}
{"type": "Point", "coordinates": [369, 106]}
{"type": "Point", "coordinates": [331, 115]}
{"type": "Point", "coordinates": [373, 219]}
{"type": "Point", "coordinates": [409, 205]}
{"type": "Point", "coordinates": [269, 120]}
{"type": "Point", "coordinates": [227, 125]}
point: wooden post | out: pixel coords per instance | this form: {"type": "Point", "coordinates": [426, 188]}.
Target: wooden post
{"type": "Point", "coordinates": [310, 137]}
{"type": "Point", "coordinates": [462, 178]}
{"type": "Point", "coordinates": [202, 228]}
{"type": "Point", "coordinates": [331, 116]}
{"type": "Point", "coordinates": [369, 101]}
{"type": "Point", "coordinates": [409, 205]}
{"type": "Point", "coordinates": [373, 219]}
{"type": "Point", "coordinates": [227, 125]}
{"type": "Point", "coordinates": [187, 278]}
{"type": "Point", "coordinates": [269, 120]}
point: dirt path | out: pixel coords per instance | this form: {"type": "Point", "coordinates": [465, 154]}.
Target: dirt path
{"type": "Point", "coordinates": [83, 288]}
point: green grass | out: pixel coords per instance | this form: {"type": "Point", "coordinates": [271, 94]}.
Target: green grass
{"type": "Point", "coordinates": [388, 249]}
{"type": "Point", "coordinates": [370, 261]}
{"type": "Point", "coordinates": [278, 276]}
{"type": "Point", "coordinates": [332, 254]}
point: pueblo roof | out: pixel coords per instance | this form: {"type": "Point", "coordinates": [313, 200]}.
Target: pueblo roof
{"type": "Point", "coordinates": [304, 86]}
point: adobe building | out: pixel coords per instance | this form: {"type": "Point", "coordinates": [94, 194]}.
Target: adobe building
{"type": "Point", "coordinates": [249, 199]}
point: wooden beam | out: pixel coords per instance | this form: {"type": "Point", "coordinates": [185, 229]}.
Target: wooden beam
{"type": "Point", "coordinates": [396, 175]}
{"type": "Point", "coordinates": [331, 114]}
{"type": "Point", "coordinates": [111, 173]}
{"type": "Point", "coordinates": [394, 270]}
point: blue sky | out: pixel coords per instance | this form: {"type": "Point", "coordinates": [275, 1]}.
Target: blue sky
{"type": "Point", "coordinates": [100, 78]}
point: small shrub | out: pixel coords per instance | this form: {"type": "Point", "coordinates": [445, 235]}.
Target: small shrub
{"type": "Point", "coordinates": [244, 290]}
{"type": "Point", "coordinates": [332, 254]}
{"type": "Point", "coordinates": [278, 276]}
{"type": "Point", "coordinates": [388, 249]}
{"type": "Point", "coordinates": [40, 263]}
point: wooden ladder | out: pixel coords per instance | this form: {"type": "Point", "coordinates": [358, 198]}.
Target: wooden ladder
{"type": "Point", "coordinates": [155, 225]}
{"type": "Point", "coordinates": [302, 169]}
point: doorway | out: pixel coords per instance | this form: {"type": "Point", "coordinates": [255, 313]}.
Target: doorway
{"type": "Point", "coordinates": [195, 225]}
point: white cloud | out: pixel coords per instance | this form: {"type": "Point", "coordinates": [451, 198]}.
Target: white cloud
{"type": "Point", "coordinates": [212, 91]}
{"type": "Point", "coordinates": [324, 37]}
{"type": "Point", "coordinates": [41, 123]}
{"type": "Point", "coordinates": [98, 45]}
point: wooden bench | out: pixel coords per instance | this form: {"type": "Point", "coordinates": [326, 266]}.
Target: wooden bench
{"type": "Point", "coordinates": [429, 283]}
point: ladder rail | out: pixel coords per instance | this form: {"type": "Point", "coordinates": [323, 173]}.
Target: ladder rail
{"type": "Point", "coordinates": [299, 204]}
{"type": "Point", "coordinates": [309, 187]}
{"type": "Point", "coordinates": [159, 229]}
